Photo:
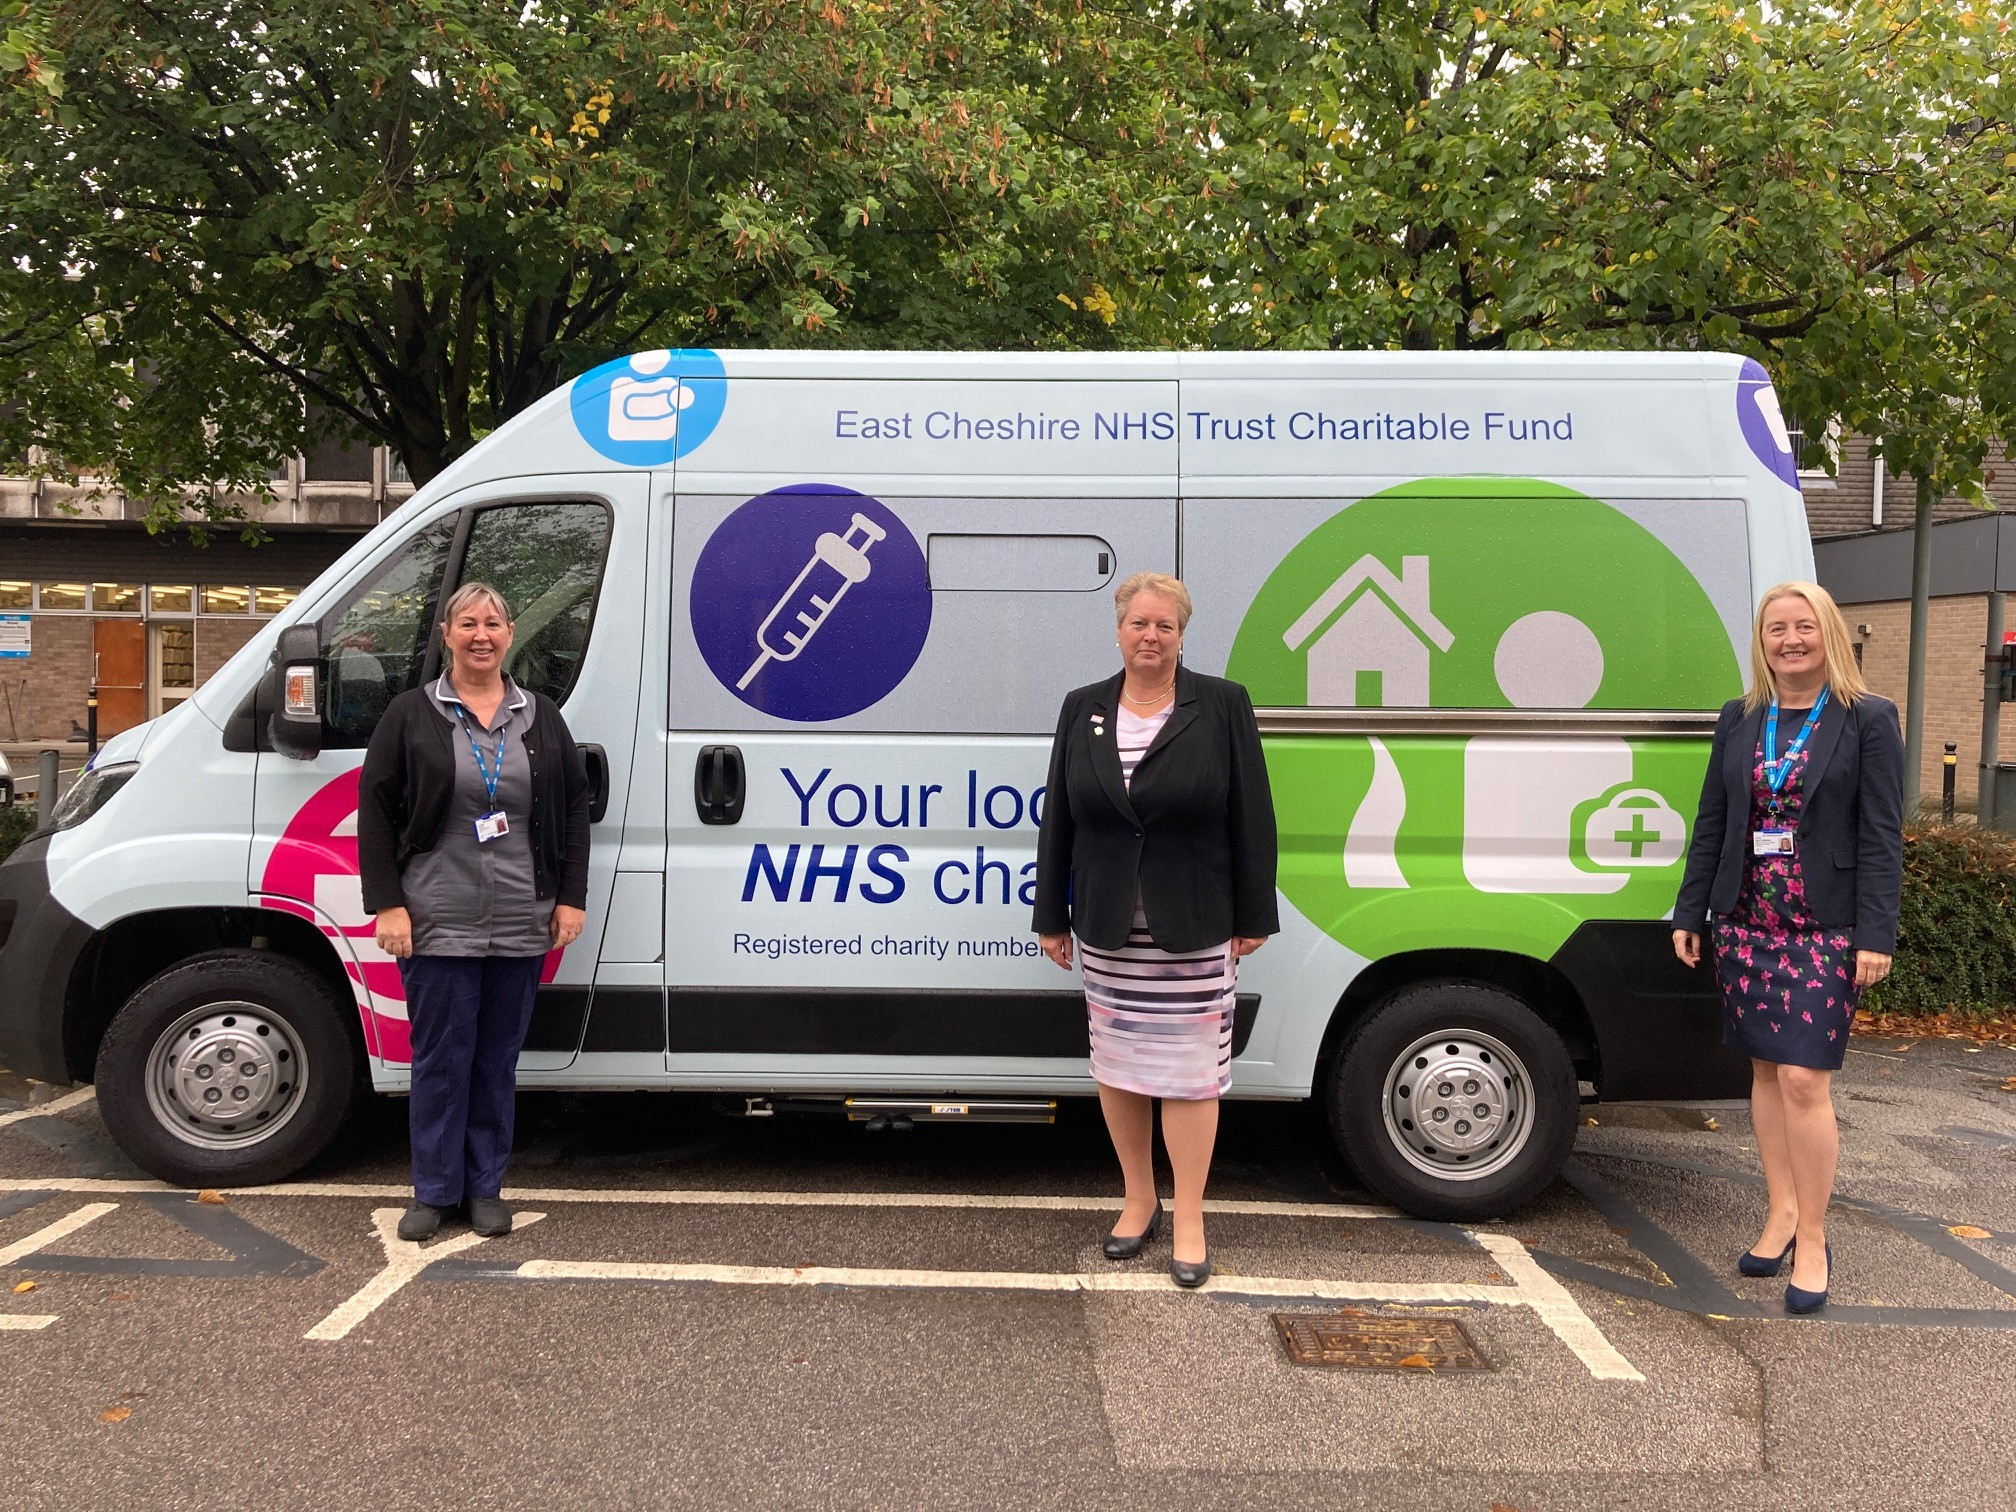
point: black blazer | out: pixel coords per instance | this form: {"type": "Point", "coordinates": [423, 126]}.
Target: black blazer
{"type": "Point", "coordinates": [1197, 831]}
{"type": "Point", "coordinates": [1851, 824]}
{"type": "Point", "coordinates": [408, 781]}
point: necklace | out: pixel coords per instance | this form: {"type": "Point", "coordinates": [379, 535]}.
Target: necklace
{"type": "Point", "coordinates": [1148, 703]}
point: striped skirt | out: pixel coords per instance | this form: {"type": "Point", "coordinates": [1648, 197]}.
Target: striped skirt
{"type": "Point", "coordinates": [1161, 1022]}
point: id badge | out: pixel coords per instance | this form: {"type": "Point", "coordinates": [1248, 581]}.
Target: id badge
{"type": "Point", "coordinates": [1772, 842]}
{"type": "Point", "coordinates": [490, 826]}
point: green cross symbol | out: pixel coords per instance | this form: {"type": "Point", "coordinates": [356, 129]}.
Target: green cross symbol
{"type": "Point", "coordinates": [1637, 837]}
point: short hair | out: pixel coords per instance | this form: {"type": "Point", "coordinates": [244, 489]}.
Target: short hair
{"type": "Point", "coordinates": [471, 593]}
{"type": "Point", "coordinates": [1153, 582]}
{"type": "Point", "coordinates": [1845, 682]}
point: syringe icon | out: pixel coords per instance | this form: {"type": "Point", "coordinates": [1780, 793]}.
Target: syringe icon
{"type": "Point", "coordinates": [837, 564]}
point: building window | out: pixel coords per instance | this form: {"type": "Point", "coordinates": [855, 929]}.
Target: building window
{"type": "Point", "coordinates": [231, 600]}
{"type": "Point", "coordinates": [115, 598]}
{"type": "Point", "coordinates": [17, 595]}
{"type": "Point", "coordinates": [395, 467]}
{"type": "Point", "coordinates": [1811, 449]}
{"type": "Point", "coordinates": [273, 600]}
{"type": "Point", "coordinates": [64, 596]}
{"type": "Point", "coordinates": [179, 599]}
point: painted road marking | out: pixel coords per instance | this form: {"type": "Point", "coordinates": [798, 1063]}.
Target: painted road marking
{"type": "Point", "coordinates": [62, 1228]}
{"type": "Point", "coordinates": [1530, 1287]}
{"type": "Point", "coordinates": [56, 1105]}
{"type": "Point", "coordinates": [403, 1261]}
{"type": "Point", "coordinates": [676, 1197]}
{"type": "Point", "coordinates": [25, 1322]}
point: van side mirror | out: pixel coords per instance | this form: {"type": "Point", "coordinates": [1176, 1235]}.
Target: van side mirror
{"type": "Point", "coordinates": [296, 723]}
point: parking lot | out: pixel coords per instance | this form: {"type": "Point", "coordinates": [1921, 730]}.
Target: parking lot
{"type": "Point", "coordinates": [699, 1308]}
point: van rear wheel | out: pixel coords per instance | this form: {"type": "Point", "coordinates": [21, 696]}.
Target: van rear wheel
{"type": "Point", "coordinates": [229, 1069]}
{"type": "Point", "coordinates": [1455, 1101]}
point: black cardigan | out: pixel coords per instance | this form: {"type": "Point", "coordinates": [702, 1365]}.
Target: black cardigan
{"type": "Point", "coordinates": [1197, 829]}
{"type": "Point", "coordinates": [1851, 822]}
{"type": "Point", "coordinates": [408, 781]}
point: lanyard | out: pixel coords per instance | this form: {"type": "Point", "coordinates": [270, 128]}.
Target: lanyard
{"type": "Point", "coordinates": [490, 778]}
{"type": "Point", "coordinates": [1778, 769]}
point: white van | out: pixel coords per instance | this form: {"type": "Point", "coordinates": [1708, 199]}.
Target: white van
{"type": "Point", "coordinates": [811, 615]}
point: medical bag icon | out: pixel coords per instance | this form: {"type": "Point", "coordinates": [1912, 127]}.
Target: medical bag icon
{"type": "Point", "coordinates": [1635, 828]}
{"type": "Point", "coordinates": [646, 409]}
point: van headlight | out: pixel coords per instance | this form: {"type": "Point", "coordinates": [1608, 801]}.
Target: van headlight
{"type": "Point", "coordinates": [92, 790]}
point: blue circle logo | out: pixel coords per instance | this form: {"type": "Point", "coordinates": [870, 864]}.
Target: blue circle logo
{"type": "Point", "coordinates": [647, 409]}
{"type": "Point", "coordinates": [811, 602]}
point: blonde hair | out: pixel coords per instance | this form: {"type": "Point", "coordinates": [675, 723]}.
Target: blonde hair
{"type": "Point", "coordinates": [461, 600]}
{"type": "Point", "coordinates": [1153, 582]}
{"type": "Point", "coordinates": [1845, 683]}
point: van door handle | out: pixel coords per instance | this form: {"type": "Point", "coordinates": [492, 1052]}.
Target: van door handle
{"type": "Point", "coordinates": [597, 761]}
{"type": "Point", "coordinates": [718, 783]}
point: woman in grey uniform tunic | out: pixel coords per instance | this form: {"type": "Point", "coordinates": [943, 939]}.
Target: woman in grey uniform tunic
{"type": "Point", "coordinates": [472, 837]}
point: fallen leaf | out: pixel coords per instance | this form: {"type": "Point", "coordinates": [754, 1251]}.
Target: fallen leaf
{"type": "Point", "coordinates": [115, 1414]}
{"type": "Point", "coordinates": [1588, 1123]}
{"type": "Point", "coordinates": [2009, 1085]}
{"type": "Point", "coordinates": [1887, 1071]}
{"type": "Point", "coordinates": [1711, 1125]}
{"type": "Point", "coordinates": [1967, 1231]}
{"type": "Point", "coordinates": [23, 1286]}
{"type": "Point", "coordinates": [120, 1297]}
{"type": "Point", "coordinates": [1416, 1362]}
{"type": "Point", "coordinates": [1503, 1507]}
{"type": "Point", "coordinates": [211, 1195]}
{"type": "Point", "coordinates": [1904, 1049]}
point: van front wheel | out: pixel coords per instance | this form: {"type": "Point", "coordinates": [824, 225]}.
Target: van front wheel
{"type": "Point", "coordinates": [228, 1069]}
{"type": "Point", "coordinates": [1454, 1101]}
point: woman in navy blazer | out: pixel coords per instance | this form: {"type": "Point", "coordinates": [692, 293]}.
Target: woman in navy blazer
{"type": "Point", "coordinates": [1795, 869]}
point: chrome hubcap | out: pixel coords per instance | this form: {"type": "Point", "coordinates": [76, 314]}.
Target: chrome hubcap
{"type": "Point", "coordinates": [1458, 1105]}
{"type": "Point", "coordinates": [226, 1075]}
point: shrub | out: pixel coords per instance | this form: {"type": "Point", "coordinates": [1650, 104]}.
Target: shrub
{"type": "Point", "coordinates": [1956, 930]}
{"type": "Point", "coordinates": [16, 820]}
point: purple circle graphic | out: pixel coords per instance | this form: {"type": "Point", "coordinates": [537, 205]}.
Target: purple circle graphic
{"type": "Point", "coordinates": [811, 602]}
{"type": "Point", "coordinates": [1762, 422]}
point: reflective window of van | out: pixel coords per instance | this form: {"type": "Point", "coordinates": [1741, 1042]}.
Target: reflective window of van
{"type": "Point", "coordinates": [546, 559]}
{"type": "Point", "coordinates": [375, 645]}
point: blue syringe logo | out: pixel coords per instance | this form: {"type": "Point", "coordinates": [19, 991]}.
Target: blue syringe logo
{"type": "Point", "coordinates": [837, 564]}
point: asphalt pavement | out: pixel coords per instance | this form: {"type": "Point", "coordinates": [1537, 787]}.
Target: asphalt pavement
{"type": "Point", "coordinates": [722, 1311]}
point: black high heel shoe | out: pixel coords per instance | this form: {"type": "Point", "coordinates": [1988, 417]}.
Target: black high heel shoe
{"type": "Point", "coordinates": [1127, 1246]}
{"type": "Point", "coordinates": [1190, 1273]}
{"type": "Point", "coordinates": [1750, 1263]}
{"type": "Point", "coordinates": [1800, 1301]}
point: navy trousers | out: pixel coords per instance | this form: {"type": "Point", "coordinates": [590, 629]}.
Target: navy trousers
{"type": "Point", "coordinates": [469, 1016]}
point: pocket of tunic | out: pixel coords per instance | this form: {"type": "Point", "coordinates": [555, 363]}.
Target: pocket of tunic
{"type": "Point", "coordinates": [1844, 860]}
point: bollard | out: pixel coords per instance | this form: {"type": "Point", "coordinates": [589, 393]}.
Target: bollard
{"type": "Point", "coordinates": [45, 788]}
{"type": "Point", "coordinates": [91, 720]}
{"type": "Point", "coordinates": [1951, 765]}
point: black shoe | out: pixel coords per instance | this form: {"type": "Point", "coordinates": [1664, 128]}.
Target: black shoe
{"type": "Point", "coordinates": [420, 1221]}
{"type": "Point", "coordinates": [1750, 1263]}
{"type": "Point", "coordinates": [1190, 1273]}
{"type": "Point", "coordinates": [1799, 1301]}
{"type": "Point", "coordinates": [1127, 1246]}
{"type": "Point", "coordinates": [490, 1216]}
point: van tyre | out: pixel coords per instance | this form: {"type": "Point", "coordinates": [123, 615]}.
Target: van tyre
{"type": "Point", "coordinates": [232, 1068]}
{"type": "Point", "coordinates": [1454, 1101]}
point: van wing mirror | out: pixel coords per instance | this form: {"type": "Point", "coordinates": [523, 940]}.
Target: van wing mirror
{"type": "Point", "coordinates": [296, 723]}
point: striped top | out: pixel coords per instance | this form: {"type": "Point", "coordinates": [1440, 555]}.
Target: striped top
{"type": "Point", "coordinates": [1134, 733]}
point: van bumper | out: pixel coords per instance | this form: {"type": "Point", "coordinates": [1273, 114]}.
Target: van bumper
{"type": "Point", "coordinates": [40, 943]}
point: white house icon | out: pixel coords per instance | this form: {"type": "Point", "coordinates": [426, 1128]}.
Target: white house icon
{"type": "Point", "coordinates": [1368, 637]}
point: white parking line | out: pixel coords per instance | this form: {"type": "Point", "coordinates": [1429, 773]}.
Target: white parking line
{"type": "Point", "coordinates": [62, 1228]}
{"type": "Point", "coordinates": [25, 1322]}
{"type": "Point", "coordinates": [403, 1261]}
{"type": "Point", "coordinates": [54, 1105]}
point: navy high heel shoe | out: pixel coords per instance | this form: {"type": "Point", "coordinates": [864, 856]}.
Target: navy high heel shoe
{"type": "Point", "coordinates": [1800, 1301]}
{"type": "Point", "coordinates": [1750, 1263]}
{"type": "Point", "coordinates": [1127, 1246]}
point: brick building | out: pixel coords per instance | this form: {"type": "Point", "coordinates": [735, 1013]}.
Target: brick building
{"type": "Point", "coordinates": [86, 591]}
{"type": "Point", "coordinates": [1861, 524]}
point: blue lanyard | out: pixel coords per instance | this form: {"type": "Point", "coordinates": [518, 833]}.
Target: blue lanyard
{"type": "Point", "coordinates": [490, 778]}
{"type": "Point", "coordinates": [1777, 769]}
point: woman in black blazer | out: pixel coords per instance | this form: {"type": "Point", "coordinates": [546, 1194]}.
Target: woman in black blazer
{"type": "Point", "coordinates": [1157, 849]}
{"type": "Point", "coordinates": [1798, 854]}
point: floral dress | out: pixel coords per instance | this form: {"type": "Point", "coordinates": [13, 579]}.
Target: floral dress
{"type": "Point", "coordinates": [1788, 985]}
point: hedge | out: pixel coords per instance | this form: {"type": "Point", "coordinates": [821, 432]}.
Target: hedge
{"type": "Point", "coordinates": [1956, 930]}
{"type": "Point", "coordinates": [16, 821]}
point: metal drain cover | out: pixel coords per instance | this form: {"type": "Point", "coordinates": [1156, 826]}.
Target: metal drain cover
{"type": "Point", "coordinates": [1361, 1341]}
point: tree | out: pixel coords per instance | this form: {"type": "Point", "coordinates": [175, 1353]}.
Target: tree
{"type": "Point", "coordinates": [226, 226]}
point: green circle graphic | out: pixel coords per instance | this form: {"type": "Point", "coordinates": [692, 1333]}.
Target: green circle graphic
{"type": "Point", "coordinates": [1482, 593]}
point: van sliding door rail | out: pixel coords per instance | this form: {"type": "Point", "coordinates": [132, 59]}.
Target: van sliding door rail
{"type": "Point", "coordinates": [1669, 722]}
